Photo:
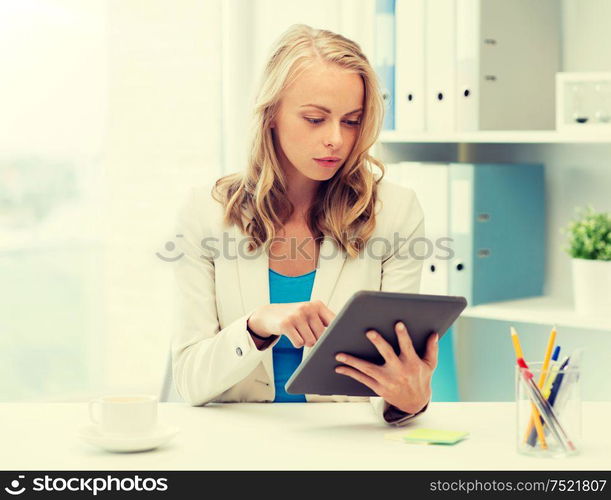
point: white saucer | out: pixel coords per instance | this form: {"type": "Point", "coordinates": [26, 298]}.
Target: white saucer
{"type": "Point", "coordinates": [93, 435]}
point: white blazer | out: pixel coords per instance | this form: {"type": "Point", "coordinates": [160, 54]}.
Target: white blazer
{"type": "Point", "coordinates": [220, 284]}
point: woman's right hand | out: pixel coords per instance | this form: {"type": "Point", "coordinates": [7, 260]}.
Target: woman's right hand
{"type": "Point", "coordinates": [302, 322]}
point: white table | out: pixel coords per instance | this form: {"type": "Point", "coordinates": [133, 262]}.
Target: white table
{"type": "Point", "coordinates": [291, 436]}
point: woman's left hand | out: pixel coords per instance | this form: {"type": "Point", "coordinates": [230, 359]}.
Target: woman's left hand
{"type": "Point", "coordinates": [403, 380]}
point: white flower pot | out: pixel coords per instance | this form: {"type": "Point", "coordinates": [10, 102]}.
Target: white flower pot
{"type": "Point", "coordinates": [592, 286]}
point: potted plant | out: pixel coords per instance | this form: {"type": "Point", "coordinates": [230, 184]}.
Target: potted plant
{"type": "Point", "coordinates": [590, 249]}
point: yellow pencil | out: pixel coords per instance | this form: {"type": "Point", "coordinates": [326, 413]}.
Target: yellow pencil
{"type": "Point", "coordinates": [535, 417]}
{"type": "Point", "coordinates": [516, 343]}
{"type": "Point", "coordinates": [548, 356]}
{"type": "Point", "coordinates": [519, 354]}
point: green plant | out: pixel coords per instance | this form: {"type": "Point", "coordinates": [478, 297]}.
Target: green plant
{"type": "Point", "coordinates": [590, 235]}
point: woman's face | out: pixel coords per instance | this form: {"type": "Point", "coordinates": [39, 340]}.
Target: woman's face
{"type": "Point", "coordinates": [319, 116]}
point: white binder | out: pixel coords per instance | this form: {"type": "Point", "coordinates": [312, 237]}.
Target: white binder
{"type": "Point", "coordinates": [409, 67]}
{"type": "Point", "coordinates": [507, 55]}
{"type": "Point", "coordinates": [440, 65]}
{"type": "Point", "coordinates": [431, 184]}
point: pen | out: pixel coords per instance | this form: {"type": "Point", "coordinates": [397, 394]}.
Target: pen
{"type": "Point", "coordinates": [552, 397]}
{"type": "Point", "coordinates": [542, 376]}
{"type": "Point", "coordinates": [570, 377]}
{"type": "Point", "coordinates": [545, 410]}
{"type": "Point", "coordinates": [520, 355]}
{"type": "Point", "coordinates": [558, 382]}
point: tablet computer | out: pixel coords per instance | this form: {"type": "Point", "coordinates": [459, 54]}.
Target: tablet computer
{"type": "Point", "coordinates": [371, 310]}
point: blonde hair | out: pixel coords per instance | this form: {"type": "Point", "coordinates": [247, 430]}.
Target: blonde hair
{"type": "Point", "coordinates": [256, 199]}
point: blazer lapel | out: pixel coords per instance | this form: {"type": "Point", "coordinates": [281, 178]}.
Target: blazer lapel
{"type": "Point", "coordinates": [252, 273]}
{"type": "Point", "coordinates": [331, 260]}
{"type": "Point", "coordinates": [253, 276]}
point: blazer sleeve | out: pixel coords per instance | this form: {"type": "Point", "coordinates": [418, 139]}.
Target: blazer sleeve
{"type": "Point", "coordinates": [401, 272]}
{"type": "Point", "coordinates": [206, 360]}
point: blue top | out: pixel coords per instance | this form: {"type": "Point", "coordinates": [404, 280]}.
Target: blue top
{"type": "Point", "coordinates": [284, 289]}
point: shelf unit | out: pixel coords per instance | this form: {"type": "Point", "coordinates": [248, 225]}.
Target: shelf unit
{"type": "Point", "coordinates": [545, 310]}
{"type": "Point", "coordinates": [499, 137]}
{"type": "Point", "coordinates": [540, 311]}
{"type": "Point", "coordinates": [576, 173]}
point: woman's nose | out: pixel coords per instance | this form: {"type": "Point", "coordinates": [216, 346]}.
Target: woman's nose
{"type": "Point", "coordinates": [334, 135]}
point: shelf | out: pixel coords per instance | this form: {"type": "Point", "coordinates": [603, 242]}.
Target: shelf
{"type": "Point", "coordinates": [539, 310]}
{"type": "Point", "coordinates": [500, 136]}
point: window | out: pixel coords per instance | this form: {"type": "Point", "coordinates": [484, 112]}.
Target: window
{"type": "Point", "coordinates": [111, 111]}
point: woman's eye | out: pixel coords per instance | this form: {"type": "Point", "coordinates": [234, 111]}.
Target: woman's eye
{"type": "Point", "coordinates": [316, 121]}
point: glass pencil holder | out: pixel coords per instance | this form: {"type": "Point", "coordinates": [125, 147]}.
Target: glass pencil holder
{"type": "Point", "coordinates": [548, 410]}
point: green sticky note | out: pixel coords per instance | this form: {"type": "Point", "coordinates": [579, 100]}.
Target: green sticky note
{"type": "Point", "coordinates": [434, 436]}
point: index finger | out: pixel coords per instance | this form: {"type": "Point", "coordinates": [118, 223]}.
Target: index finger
{"type": "Point", "coordinates": [325, 313]}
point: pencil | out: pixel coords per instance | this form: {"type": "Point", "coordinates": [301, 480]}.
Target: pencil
{"type": "Point", "coordinates": [516, 343]}
{"type": "Point", "coordinates": [553, 371]}
{"type": "Point", "coordinates": [535, 416]}
{"type": "Point", "coordinates": [520, 355]}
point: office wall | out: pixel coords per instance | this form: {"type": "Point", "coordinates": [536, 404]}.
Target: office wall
{"type": "Point", "coordinates": [586, 27]}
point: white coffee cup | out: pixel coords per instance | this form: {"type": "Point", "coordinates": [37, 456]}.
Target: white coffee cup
{"type": "Point", "coordinates": [125, 414]}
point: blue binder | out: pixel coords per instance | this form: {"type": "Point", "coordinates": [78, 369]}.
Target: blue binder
{"type": "Point", "coordinates": [497, 227]}
{"type": "Point", "coordinates": [385, 57]}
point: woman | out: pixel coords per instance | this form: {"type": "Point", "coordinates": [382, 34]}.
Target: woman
{"type": "Point", "coordinates": [272, 253]}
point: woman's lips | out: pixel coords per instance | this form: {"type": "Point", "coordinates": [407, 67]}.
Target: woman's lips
{"type": "Point", "coordinates": [327, 163]}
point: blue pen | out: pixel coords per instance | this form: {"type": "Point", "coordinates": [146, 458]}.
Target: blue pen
{"type": "Point", "coordinates": [558, 382]}
{"type": "Point", "coordinates": [532, 439]}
